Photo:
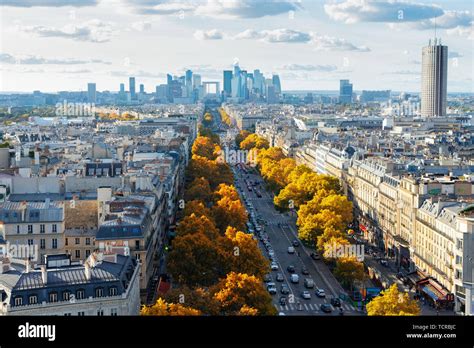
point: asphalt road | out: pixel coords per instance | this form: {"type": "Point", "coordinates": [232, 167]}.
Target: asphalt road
{"type": "Point", "coordinates": [281, 231]}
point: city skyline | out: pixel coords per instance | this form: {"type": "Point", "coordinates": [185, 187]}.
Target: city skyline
{"type": "Point", "coordinates": [323, 42]}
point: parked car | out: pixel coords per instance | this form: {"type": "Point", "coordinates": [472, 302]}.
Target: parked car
{"type": "Point", "coordinates": [295, 279]}
{"type": "Point", "coordinates": [291, 269]}
{"type": "Point", "coordinates": [283, 301]}
{"type": "Point", "coordinates": [267, 278]}
{"type": "Point", "coordinates": [274, 266]}
{"type": "Point", "coordinates": [326, 308]}
{"type": "Point", "coordinates": [296, 243]}
{"type": "Point", "coordinates": [320, 293]}
{"type": "Point", "coordinates": [285, 289]}
{"type": "Point", "coordinates": [304, 271]}
{"type": "Point", "coordinates": [291, 250]}
{"type": "Point", "coordinates": [279, 277]}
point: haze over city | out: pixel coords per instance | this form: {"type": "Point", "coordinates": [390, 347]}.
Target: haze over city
{"type": "Point", "coordinates": [61, 45]}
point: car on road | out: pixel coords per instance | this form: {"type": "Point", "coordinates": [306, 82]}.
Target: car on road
{"type": "Point", "coordinates": [336, 302]}
{"type": "Point", "coordinates": [283, 301]}
{"type": "Point", "coordinates": [279, 277]}
{"type": "Point", "coordinates": [274, 266]}
{"type": "Point", "coordinates": [384, 262]}
{"type": "Point", "coordinates": [267, 278]}
{"type": "Point", "coordinates": [271, 288]}
{"type": "Point", "coordinates": [291, 269]}
{"type": "Point", "coordinates": [285, 289]}
{"type": "Point", "coordinates": [315, 256]}
{"type": "Point", "coordinates": [306, 295]}
{"type": "Point", "coordinates": [320, 293]}
{"type": "Point", "coordinates": [271, 252]}
{"type": "Point", "coordinates": [304, 271]}
{"type": "Point", "coordinates": [326, 308]}
{"type": "Point", "coordinates": [291, 250]}
{"type": "Point", "coordinates": [295, 279]}
{"type": "Point", "coordinates": [308, 283]}
{"type": "Point", "coordinates": [295, 243]}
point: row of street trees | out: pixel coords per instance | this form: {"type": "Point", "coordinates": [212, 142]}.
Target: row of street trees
{"type": "Point", "coordinates": [218, 268]}
{"type": "Point", "coordinates": [324, 213]}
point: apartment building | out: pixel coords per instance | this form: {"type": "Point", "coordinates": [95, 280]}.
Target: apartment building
{"type": "Point", "coordinates": [38, 224]}
{"type": "Point", "coordinates": [103, 285]}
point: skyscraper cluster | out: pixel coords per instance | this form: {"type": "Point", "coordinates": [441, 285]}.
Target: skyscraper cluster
{"type": "Point", "coordinates": [240, 85]}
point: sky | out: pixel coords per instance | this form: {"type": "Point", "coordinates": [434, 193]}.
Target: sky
{"type": "Point", "coordinates": [59, 45]}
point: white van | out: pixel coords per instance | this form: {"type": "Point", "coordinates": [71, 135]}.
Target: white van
{"type": "Point", "coordinates": [308, 283]}
{"type": "Point", "coordinates": [295, 278]}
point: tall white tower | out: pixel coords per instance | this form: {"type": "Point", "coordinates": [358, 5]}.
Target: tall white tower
{"type": "Point", "coordinates": [434, 76]}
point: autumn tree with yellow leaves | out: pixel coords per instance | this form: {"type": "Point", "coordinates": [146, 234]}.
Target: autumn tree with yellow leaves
{"type": "Point", "coordinates": [392, 302]}
{"type": "Point", "coordinates": [163, 308]}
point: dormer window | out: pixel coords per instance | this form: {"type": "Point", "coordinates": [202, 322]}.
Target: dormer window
{"type": "Point", "coordinates": [66, 295]}
{"type": "Point", "coordinates": [113, 291]}
{"type": "Point", "coordinates": [53, 297]}
{"type": "Point", "coordinates": [18, 301]}
{"type": "Point", "coordinates": [33, 299]}
{"type": "Point", "coordinates": [99, 292]}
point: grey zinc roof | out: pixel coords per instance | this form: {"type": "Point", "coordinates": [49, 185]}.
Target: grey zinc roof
{"type": "Point", "coordinates": [74, 275]}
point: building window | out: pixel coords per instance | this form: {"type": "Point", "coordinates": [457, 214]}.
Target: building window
{"type": "Point", "coordinates": [80, 294]}
{"type": "Point", "coordinates": [100, 312]}
{"type": "Point", "coordinates": [30, 228]}
{"type": "Point", "coordinates": [99, 292]}
{"type": "Point", "coordinates": [53, 297]}
{"type": "Point", "coordinates": [77, 241]}
{"type": "Point", "coordinates": [78, 254]}
{"type": "Point", "coordinates": [55, 228]}
{"type": "Point", "coordinates": [81, 314]}
{"type": "Point", "coordinates": [17, 228]}
{"type": "Point", "coordinates": [113, 312]}
{"type": "Point", "coordinates": [54, 242]}
{"type": "Point", "coordinates": [67, 314]}
{"type": "Point", "coordinates": [88, 252]}
{"type": "Point", "coordinates": [42, 228]}
{"type": "Point", "coordinates": [42, 243]}
{"type": "Point", "coordinates": [66, 295]}
{"type": "Point", "coordinates": [113, 291]}
{"type": "Point", "coordinates": [30, 242]}
{"type": "Point", "coordinates": [66, 242]}
{"type": "Point", "coordinates": [137, 245]}
{"type": "Point", "coordinates": [33, 299]}
{"type": "Point", "coordinates": [18, 301]}
{"type": "Point", "coordinates": [88, 241]}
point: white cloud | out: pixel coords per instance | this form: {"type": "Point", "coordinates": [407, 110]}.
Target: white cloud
{"type": "Point", "coordinates": [328, 43]}
{"type": "Point", "coordinates": [245, 8]}
{"type": "Point", "coordinates": [141, 26]}
{"type": "Point", "coordinates": [92, 31]}
{"type": "Point", "coordinates": [213, 34]}
{"type": "Point", "coordinates": [213, 8]}
{"type": "Point", "coordinates": [48, 3]}
{"type": "Point", "coordinates": [275, 36]}
{"type": "Point", "coordinates": [7, 58]}
{"type": "Point", "coordinates": [309, 67]}
{"type": "Point", "coordinates": [353, 11]}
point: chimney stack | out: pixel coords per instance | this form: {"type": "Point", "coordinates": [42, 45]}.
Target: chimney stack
{"type": "Point", "coordinates": [44, 274]}
{"type": "Point", "coordinates": [87, 270]}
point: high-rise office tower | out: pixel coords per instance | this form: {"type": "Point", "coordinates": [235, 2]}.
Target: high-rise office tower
{"type": "Point", "coordinates": [258, 81]}
{"type": "Point", "coordinates": [236, 85]}
{"type": "Point", "coordinates": [189, 77]}
{"type": "Point", "coordinates": [434, 77]}
{"type": "Point", "coordinates": [244, 92]}
{"type": "Point", "coordinates": [142, 88]}
{"type": "Point", "coordinates": [169, 78]}
{"type": "Point", "coordinates": [228, 82]}
{"type": "Point", "coordinates": [196, 81]}
{"type": "Point", "coordinates": [122, 88]}
{"type": "Point", "coordinates": [276, 83]}
{"type": "Point", "coordinates": [91, 93]}
{"type": "Point", "coordinates": [345, 92]}
{"type": "Point", "coordinates": [131, 83]}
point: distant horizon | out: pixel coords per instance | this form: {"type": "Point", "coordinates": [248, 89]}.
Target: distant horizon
{"type": "Point", "coordinates": [62, 45]}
